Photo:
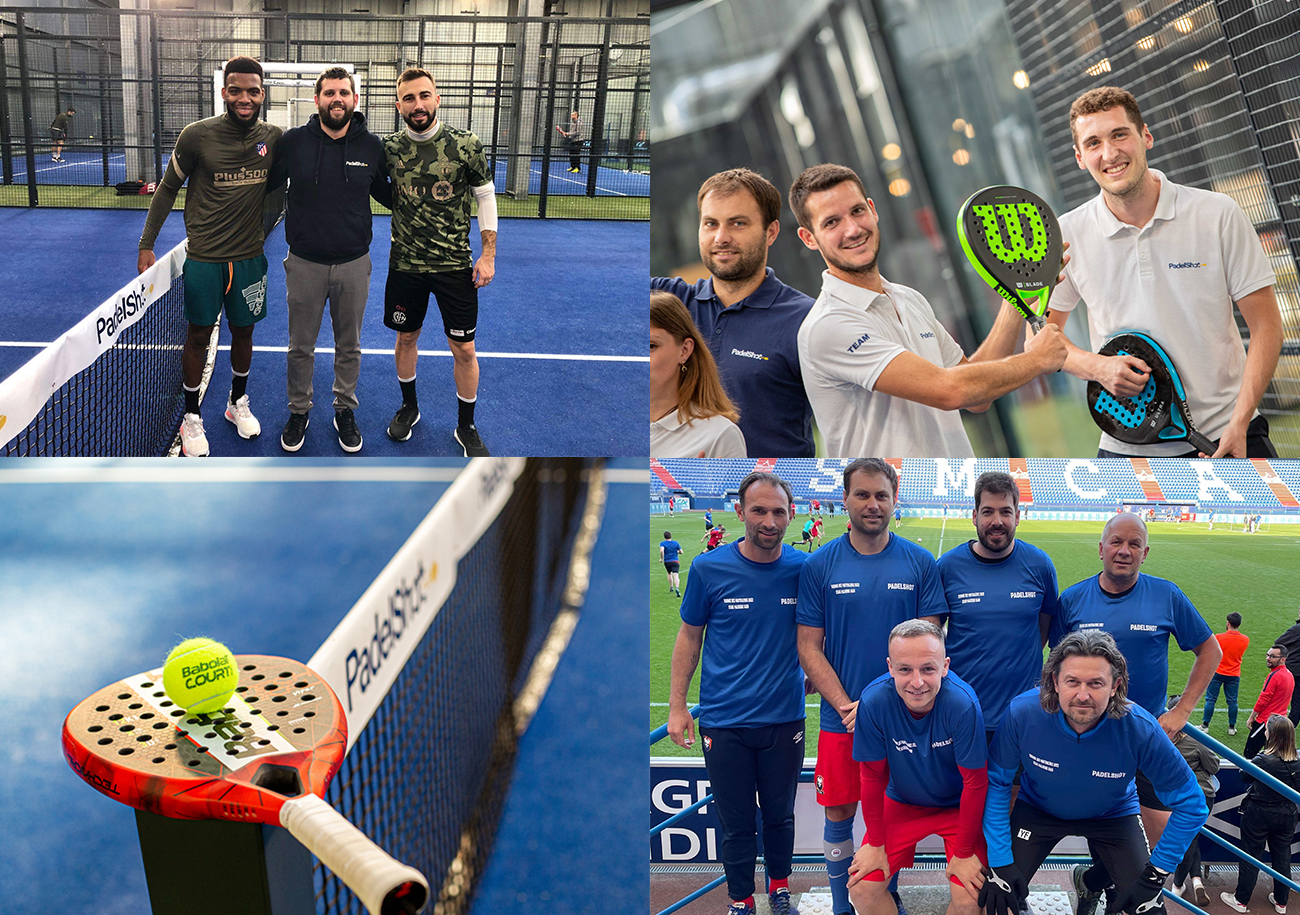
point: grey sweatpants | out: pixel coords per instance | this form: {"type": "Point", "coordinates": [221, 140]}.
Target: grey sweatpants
{"type": "Point", "coordinates": [309, 285]}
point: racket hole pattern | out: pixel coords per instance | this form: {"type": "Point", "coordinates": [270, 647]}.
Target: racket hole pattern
{"type": "Point", "coordinates": [104, 741]}
{"type": "Point", "coordinates": [264, 742]}
{"type": "Point", "coordinates": [299, 730]}
{"type": "Point", "coordinates": [178, 713]}
{"type": "Point", "coordinates": [124, 695]}
{"type": "Point", "coordinates": [192, 763]}
{"type": "Point", "coordinates": [286, 673]}
{"type": "Point", "coordinates": [95, 728]}
{"type": "Point", "coordinates": [158, 726]}
{"type": "Point", "coordinates": [271, 686]}
{"type": "Point", "coordinates": [127, 728]}
{"type": "Point", "coordinates": [308, 697]}
{"type": "Point", "coordinates": [309, 714]}
{"type": "Point", "coordinates": [249, 667]}
{"type": "Point", "coordinates": [301, 684]}
{"type": "Point", "coordinates": [116, 716]}
{"type": "Point", "coordinates": [143, 738]}
{"type": "Point", "coordinates": [145, 716]}
{"type": "Point", "coordinates": [101, 708]}
{"type": "Point", "coordinates": [135, 705]}
{"type": "Point", "coordinates": [278, 698]}
{"type": "Point", "coordinates": [158, 760]}
{"type": "Point", "coordinates": [170, 746]}
{"type": "Point", "coordinates": [126, 751]}
{"type": "Point", "coordinates": [257, 677]}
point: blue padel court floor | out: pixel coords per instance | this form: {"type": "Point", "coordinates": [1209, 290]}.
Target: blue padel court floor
{"type": "Point", "coordinates": [85, 167]}
{"type": "Point", "coordinates": [560, 339]}
{"type": "Point", "coordinates": [106, 564]}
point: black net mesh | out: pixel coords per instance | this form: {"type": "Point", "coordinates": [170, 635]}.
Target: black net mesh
{"type": "Point", "coordinates": [136, 78]}
{"type": "Point", "coordinates": [428, 777]}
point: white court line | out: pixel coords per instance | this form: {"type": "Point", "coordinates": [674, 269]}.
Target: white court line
{"type": "Point", "coordinates": [570, 357]}
{"type": "Point", "coordinates": [607, 190]}
{"type": "Point", "coordinates": [54, 165]}
{"type": "Point", "coordinates": [240, 470]}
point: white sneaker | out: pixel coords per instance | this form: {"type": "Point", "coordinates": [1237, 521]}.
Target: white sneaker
{"type": "Point", "coordinates": [194, 443]}
{"type": "Point", "coordinates": [1232, 732]}
{"type": "Point", "coordinates": [243, 418]}
{"type": "Point", "coordinates": [1281, 909]}
{"type": "Point", "coordinates": [1199, 893]}
{"type": "Point", "coordinates": [1177, 889]}
{"type": "Point", "coordinates": [1231, 902]}
{"type": "Point", "coordinates": [1203, 726]}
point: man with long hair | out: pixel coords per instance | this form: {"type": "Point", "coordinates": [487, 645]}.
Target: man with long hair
{"type": "Point", "coordinates": [1080, 741]}
{"type": "Point", "coordinates": [751, 687]}
{"type": "Point", "coordinates": [749, 318]}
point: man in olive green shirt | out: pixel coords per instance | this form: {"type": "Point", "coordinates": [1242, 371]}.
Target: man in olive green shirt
{"type": "Point", "coordinates": [59, 132]}
{"type": "Point", "coordinates": [435, 169]}
{"type": "Point", "coordinates": [226, 160]}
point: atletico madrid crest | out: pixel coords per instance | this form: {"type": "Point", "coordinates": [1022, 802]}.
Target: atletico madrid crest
{"type": "Point", "coordinates": [261, 149]}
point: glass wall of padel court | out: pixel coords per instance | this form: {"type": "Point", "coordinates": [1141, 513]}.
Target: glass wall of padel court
{"type": "Point", "coordinates": [135, 78]}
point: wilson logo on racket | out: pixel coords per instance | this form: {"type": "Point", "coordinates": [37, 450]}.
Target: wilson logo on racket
{"type": "Point", "coordinates": [1013, 240]}
{"type": "Point", "coordinates": [1014, 249]}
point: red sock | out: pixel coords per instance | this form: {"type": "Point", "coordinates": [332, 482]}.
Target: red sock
{"type": "Point", "coordinates": [749, 902]}
{"type": "Point", "coordinates": [775, 885]}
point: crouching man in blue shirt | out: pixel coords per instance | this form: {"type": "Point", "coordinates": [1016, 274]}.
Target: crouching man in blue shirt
{"type": "Point", "coordinates": [1080, 742]}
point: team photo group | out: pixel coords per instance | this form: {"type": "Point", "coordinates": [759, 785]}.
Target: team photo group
{"type": "Point", "coordinates": [973, 696]}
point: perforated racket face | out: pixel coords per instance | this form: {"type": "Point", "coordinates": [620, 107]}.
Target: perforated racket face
{"type": "Point", "coordinates": [1158, 413]}
{"type": "Point", "coordinates": [283, 733]}
{"type": "Point", "coordinates": [1014, 240]}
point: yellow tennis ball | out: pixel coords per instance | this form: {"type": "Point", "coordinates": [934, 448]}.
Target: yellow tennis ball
{"type": "Point", "coordinates": [200, 675]}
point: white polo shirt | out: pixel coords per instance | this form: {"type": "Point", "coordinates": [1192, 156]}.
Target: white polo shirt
{"type": "Point", "coordinates": [846, 341]}
{"type": "Point", "coordinates": [1174, 279]}
{"type": "Point", "coordinates": [716, 436]}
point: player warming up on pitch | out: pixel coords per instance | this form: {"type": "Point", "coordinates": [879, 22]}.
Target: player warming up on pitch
{"type": "Point", "coordinates": [1080, 743]}
{"type": "Point", "coordinates": [226, 161]}
{"type": "Point", "coordinates": [435, 170]}
{"type": "Point", "coordinates": [920, 741]}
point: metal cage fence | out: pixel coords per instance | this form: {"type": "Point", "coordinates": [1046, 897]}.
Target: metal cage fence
{"type": "Point", "coordinates": [136, 77]}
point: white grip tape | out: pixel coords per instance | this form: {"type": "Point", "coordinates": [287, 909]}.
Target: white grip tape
{"type": "Point", "coordinates": [361, 864]}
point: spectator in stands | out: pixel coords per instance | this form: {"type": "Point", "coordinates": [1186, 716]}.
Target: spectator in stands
{"type": "Point", "coordinates": [1274, 699]}
{"type": "Point", "coordinates": [851, 596]}
{"type": "Point", "coordinates": [1234, 643]}
{"type": "Point", "coordinates": [1290, 640]}
{"type": "Point", "coordinates": [882, 372]}
{"type": "Point", "coordinates": [751, 688]}
{"type": "Point", "coordinates": [1204, 762]}
{"type": "Point", "coordinates": [1141, 612]}
{"type": "Point", "coordinates": [1268, 817]}
{"type": "Point", "coordinates": [749, 317]}
{"type": "Point", "coordinates": [690, 414]}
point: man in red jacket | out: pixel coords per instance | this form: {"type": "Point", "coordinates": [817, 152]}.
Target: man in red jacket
{"type": "Point", "coordinates": [1274, 699]}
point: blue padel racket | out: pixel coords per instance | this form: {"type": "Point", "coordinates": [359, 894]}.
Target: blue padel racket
{"type": "Point", "coordinates": [1012, 238]}
{"type": "Point", "coordinates": [1159, 413]}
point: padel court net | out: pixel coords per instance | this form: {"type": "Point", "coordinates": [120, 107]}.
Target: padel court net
{"type": "Point", "coordinates": [430, 664]}
{"type": "Point", "coordinates": [112, 384]}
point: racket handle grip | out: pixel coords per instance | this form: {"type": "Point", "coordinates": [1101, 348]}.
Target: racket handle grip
{"type": "Point", "coordinates": [384, 886]}
{"type": "Point", "coordinates": [1201, 443]}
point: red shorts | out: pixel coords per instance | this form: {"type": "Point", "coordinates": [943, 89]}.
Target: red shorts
{"type": "Point", "coordinates": [838, 775]}
{"type": "Point", "coordinates": [906, 825]}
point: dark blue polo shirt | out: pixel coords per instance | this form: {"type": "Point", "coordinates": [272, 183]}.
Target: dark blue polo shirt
{"type": "Point", "coordinates": [755, 343]}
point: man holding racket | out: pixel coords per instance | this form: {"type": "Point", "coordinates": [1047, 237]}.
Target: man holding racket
{"type": "Point", "coordinates": [1171, 261]}
{"type": "Point", "coordinates": [882, 373]}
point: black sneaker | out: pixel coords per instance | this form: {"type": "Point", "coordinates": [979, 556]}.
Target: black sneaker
{"type": "Point", "coordinates": [294, 430]}
{"type": "Point", "coordinates": [399, 430]}
{"type": "Point", "coordinates": [349, 434]}
{"type": "Point", "coordinates": [1087, 900]}
{"type": "Point", "coordinates": [470, 442]}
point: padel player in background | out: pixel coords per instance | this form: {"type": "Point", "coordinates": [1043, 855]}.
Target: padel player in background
{"type": "Point", "coordinates": [882, 374]}
{"type": "Point", "coordinates": [1001, 596]}
{"type": "Point", "coordinates": [669, 551]}
{"type": "Point", "coordinates": [1079, 741]}
{"type": "Point", "coordinates": [573, 141]}
{"type": "Point", "coordinates": [435, 170]}
{"type": "Point", "coordinates": [749, 317]}
{"type": "Point", "coordinates": [851, 595]}
{"type": "Point", "coordinates": [739, 609]}
{"type": "Point", "coordinates": [1170, 261]}
{"type": "Point", "coordinates": [1141, 612]}
{"type": "Point", "coordinates": [334, 165]}
{"type": "Point", "coordinates": [59, 130]}
{"type": "Point", "coordinates": [224, 161]}
{"type": "Point", "coordinates": [920, 741]}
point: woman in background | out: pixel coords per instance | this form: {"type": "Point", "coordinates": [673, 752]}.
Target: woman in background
{"type": "Point", "coordinates": [1267, 816]}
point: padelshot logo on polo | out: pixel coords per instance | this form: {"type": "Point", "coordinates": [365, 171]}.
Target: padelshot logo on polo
{"type": "Point", "coordinates": [749, 354]}
{"type": "Point", "coordinates": [1187, 265]}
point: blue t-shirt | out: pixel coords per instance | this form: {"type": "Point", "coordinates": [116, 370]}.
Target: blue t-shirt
{"type": "Point", "coordinates": [708, 517]}
{"type": "Point", "coordinates": [923, 753]}
{"type": "Point", "coordinates": [749, 672]}
{"type": "Point", "coordinates": [1084, 776]}
{"type": "Point", "coordinates": [755, 343]}
{"type": "Point", "coordinates": [858, 599]}
{"type": "Point", "coordinates": [1141, 620]}
{"type": "Point", "coordinates": [993, 605]}
{"type": "Point", "coordinates": [671, 548]}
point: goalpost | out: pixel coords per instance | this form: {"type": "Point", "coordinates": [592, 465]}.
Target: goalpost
{"type": "Point", "coordinates": [290, 91]}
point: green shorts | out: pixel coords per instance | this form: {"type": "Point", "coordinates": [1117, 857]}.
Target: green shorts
{"type": "Point", "coordinates": [237, 286]}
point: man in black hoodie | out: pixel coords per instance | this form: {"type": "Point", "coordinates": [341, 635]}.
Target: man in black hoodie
{"type": "Point", "coordinates": [334, 166]}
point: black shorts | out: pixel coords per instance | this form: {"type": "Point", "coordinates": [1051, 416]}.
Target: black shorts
{"type": "Point", "coordinates": [1147, 793]}
{"type": "Point", "coordinates": [672, 566]}
{"type": "Point", "coordinates": [708, 525]}
{"type": "Point", "coordinates": [406, 302]}
{"type": "Point", "coordinates": [57, 134]}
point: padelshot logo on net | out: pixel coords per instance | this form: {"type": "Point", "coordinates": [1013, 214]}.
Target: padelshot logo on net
{"type": "Point", "coordinates": [128, 304]}
{"type": "Point", "coordinates": [405, 602]}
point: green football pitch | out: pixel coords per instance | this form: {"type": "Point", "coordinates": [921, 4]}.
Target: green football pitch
{"type": "Point", "coordinates": [1258, 575]}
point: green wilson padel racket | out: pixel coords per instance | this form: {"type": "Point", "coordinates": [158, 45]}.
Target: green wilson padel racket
{"type": "Point", "coordinates": [1014, 241]}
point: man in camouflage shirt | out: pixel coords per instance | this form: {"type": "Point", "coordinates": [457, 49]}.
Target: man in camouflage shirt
{"type": "Point", "coordinates": [226, 160]}
{"type": "Point", "coordinates": [435, 169]}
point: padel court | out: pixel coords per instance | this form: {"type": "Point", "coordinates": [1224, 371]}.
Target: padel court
{"type": "Point", "coordinates": [107, 564]}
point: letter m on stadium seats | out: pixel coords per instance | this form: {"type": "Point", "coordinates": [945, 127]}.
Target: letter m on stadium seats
{"type": "Point", "coordinates": [954, 478]}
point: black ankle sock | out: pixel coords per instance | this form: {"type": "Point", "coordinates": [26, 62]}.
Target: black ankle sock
{"type": "Point", "coordinates": [191, 400]}
{"type": "Point", "coordinates": [238, 385]}
{"type": "Point", "coordinates": [408, 391]}
{"type": "Point", "coordinates": [466, 415]}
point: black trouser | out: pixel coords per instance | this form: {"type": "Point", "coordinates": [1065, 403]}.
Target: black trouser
{"type": "Point", "coordinates": [1256, 739]}
{"type": "Point", "coordinates": [1258, 444]}
{"type": "Point", "coordinates": [575, 161]}
{"type": "Point", "coordinates": [1191, 863]}
{"type": "Point", "coordinates": [1294, 714]}
{"type": "Point", "coordinates": [1261, 823]}
{"type": "Point", "coordinates": [741, 762]}
{"type": "Point", "coordinates": [1117, 843]}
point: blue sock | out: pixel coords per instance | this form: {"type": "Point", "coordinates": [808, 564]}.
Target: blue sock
{"type": "Point", "coordinates": [837, 842]}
